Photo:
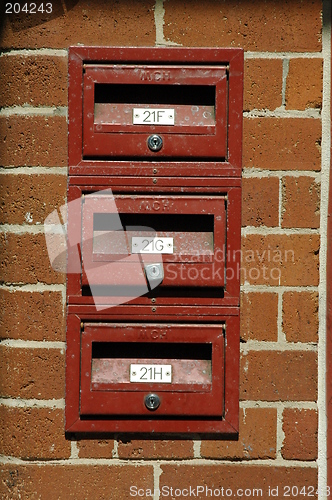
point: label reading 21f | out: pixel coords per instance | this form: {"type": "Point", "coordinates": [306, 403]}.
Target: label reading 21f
{"type": "Point", "coordinates": [145, 116]}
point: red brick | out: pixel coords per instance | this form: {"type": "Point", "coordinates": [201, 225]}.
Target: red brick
{"type": "Point", "coordinates": [162, 449]}
{"type": "Point", "coordinates": [32, 373]}
{"type": "Point", "coordinates": [236, 479]}
{"type": "Point", "coordinates": [257, 437]}
{"type": "Point", "coordinates": [33, 80]}
{"type": "Point", "coordinates": [33, 141]}
{"type": "Point", "coordinates": [300, 316]}
{"type": "Point", "coordinates": [259, 316]}
{"type": "Point", "coordinates": [262, 84]}
{"type": "Point", "coordinates": [301, 198]}
{"type": "Point", "coordinates": [25, 260]}
{"type": "Point", "coordinates": [87, 23]}
{"type": "Point", "coordinates": [31, 433]}
{"type": "Point", "coordinates": [30, 198]}
{"type": "Point", "coordinates": [301, 434]}
{"type": "Point", "coordinates": [279, 376]}
{"type": "Point", "coordinates": [288, 260]}
{"type": "Point", "coordinates": [95, 447]}
{"type": "Point", "coordinates": [60, 482]}
{"type": "Point", "coordinates": [304, 86]}
{"type": "Point", "coordinates": [282, 143]}
{"type": "Point", "coordinates": [270, 26]}
{"type": "Point", "coordinates": [260, 201]}
{"type": "Point", "coordinates": [32, 315]}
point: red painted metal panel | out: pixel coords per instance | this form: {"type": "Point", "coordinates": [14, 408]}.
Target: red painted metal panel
{"type": "Point", "coordinates": [108, 128]}
{"type": "Point", "coordinates": [155, 184]}
{"type": "Point", "coordinates": [175, 399]}
{"type": "Point", "coordinates": [188, 374]}
{"type": "Point", "coordinates": [329, 327]}
{"type": "Point", "coordinates": [188, 313]}
{"type": "Point", "coordinates": [198, 258]}
{"type": "Point", "coordinates": [107, 245]}
{"type": "Point", "coordinates": [112, 117]}
{"type": "Point", "coordinates": [226, 262]}
{"type": "Point", "coordinates": [74, 281]}
{"type": "Point", "coordinates": [198, 170]}
{"type": "Point", "coordinates": [156, 304]}
{"type": "Point", "coordinates": [329, 341]}
{"type": "Point", "coordinates": [149, 173]}
{"type": "Point", "coordinates": [226, 420]}
{"type": "Point", "coordinates": [73, 355]}
{"type": "Point", "coordinates": [223, 147]}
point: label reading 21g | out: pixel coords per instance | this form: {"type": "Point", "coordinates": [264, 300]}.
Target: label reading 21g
{"type": "Point", "coordinates": [148, 244]}
{"type": "Point", "coordinates": [145, 116]}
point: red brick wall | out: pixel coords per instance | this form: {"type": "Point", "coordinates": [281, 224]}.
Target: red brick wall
{"type": "Point", "coordinates": [277, 443]}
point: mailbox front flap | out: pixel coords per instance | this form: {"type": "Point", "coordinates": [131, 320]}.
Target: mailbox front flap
{"type": "Point", "coordinates": [124, 234]}
{"type": "Point", "coordinates": [186, 106]}
{"type": "Point", "coordinates": [122, 364]}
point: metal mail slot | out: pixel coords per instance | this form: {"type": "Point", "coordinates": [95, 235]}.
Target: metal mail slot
{"type": "Point", "coordinates": [196, 356]}
{"type": "Point", "coordinates": [182, 240]}
{"type": "Point", "coordinates": [125, 104]}
{"type": "Point", "coordinates": [130, 107]}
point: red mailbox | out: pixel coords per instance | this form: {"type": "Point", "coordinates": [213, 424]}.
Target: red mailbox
{"type": "Point", "coordinates": [189, 233]}
{"type": "Point", "coordinates": [125, 104]}
{"type": "Point", "coordinates": [161, 359]}
{"type": "Point", "coordinates": [177, 373]}
{"type": "Point", "coordinates": [120, 99]}
{"type": "Point", "coordinates": [154, 231]}
{"type": "Point", "coordinates": [190, 241]}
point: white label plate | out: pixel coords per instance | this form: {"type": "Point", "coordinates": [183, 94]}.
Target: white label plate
{"type": "Point", "coordinates": [151, 373]}
{"type": "Point", "coordinates": [160, 116]}
{"type": "Point", "coordinates": [148, 244]}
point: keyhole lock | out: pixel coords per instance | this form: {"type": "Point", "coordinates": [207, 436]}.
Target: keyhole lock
{"type": "Point", "coordinates": [152, 401]}
{"type": "Point", "coordinates": [154, 272]}
{"type": "Point", "coordinates": [155, 142]}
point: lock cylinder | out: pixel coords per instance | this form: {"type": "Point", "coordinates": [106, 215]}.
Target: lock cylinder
{"type": "Point", "coordinates": [155, 142]}
{"type": "Point", "coordinates": [152, 401]}
{"type": "Point", "coordinates": [154, 272]}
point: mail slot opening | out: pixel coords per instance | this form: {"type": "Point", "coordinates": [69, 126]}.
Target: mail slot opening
{"type": "Point", "coordinates": [199, 95]}
{"type": "Point", "coordinates": [158, 222]}
{"type": "Point", "coordinates": [134, 292]}
{"type": "Point", "coordinates": [145, 363]}
{"type": "Point", "coordinates": [184, 235]}
{"type": "Point", "coordinates": [175, 350]}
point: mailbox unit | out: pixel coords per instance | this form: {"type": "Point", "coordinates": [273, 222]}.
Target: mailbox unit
{"type": "Point", "coordinates": [154, 225]}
